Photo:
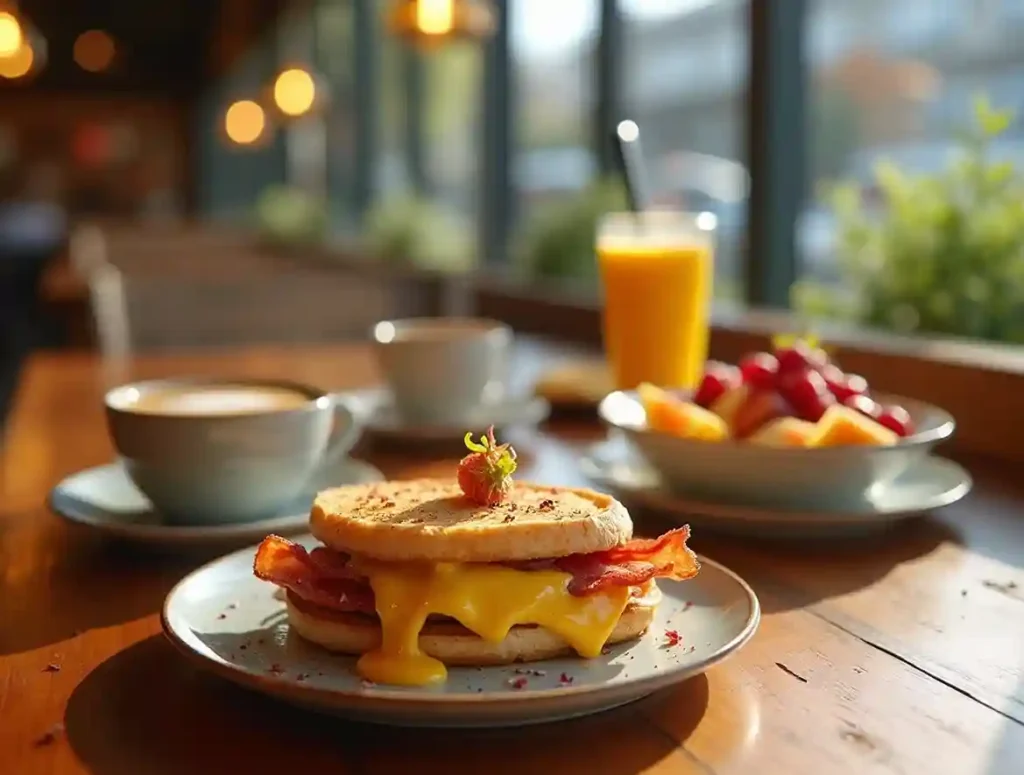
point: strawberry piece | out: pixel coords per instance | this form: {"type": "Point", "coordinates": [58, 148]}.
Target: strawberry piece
{"type": "Point", "coordinates": [485, 474]}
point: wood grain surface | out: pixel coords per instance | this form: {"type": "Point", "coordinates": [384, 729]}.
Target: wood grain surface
{"type": "Point", "coordinates": [899, 654]}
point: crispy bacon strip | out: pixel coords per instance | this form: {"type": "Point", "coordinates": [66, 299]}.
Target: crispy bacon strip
{"type": "Point", "coordinates": [326, 578]}
{"type": "Point", "coordinates": [320, 577]}
{"type": "Point", "coordinates": [669, 547]}
{"type": "Point", "coordinates": [633, 563]}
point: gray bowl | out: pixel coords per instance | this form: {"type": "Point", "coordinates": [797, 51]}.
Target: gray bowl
{"type": "Point", "coordinates": [739, 472]}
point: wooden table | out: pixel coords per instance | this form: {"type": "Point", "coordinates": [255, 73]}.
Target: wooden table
{"type": "Point", "coordinates": [902, 654]}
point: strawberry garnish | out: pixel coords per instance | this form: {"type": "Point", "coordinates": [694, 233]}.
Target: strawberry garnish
{"type": "Point", "coordinates": [485, 474]}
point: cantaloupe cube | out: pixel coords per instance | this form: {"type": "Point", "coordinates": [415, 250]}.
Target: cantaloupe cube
{"type": "Point", "coordinates": [729, 403]}
{"type": "Point", "coordinates": [785, 432]}
{"type": "Point", "coordinates": [668, 414]}
{"type": "Point", "coordinates": [843, 426]}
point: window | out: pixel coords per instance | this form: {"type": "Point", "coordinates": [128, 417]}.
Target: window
{"type": "Point", "coordinates": [304, 136]}
{"type": "Point", "coordinates": [334, 43]}
{"type": "Point", "coordinates": [553, 60]}
{"type": "Point", "coordinates": [392, 176]}
{"type": "Point", "coordinates": [234, 174]}
{"type": "Point", "coordinates": [685, 65]}
{"type": "Point", "coordinates": [905, 97]}
{"type": "Point", "coordinates": [452, 118]}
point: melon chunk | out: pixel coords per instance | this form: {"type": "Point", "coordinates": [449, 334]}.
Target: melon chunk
{"type": "Point", "coordinates": [729, 403]}
{"type": "Point", "coordinates": [785, 432]}
{"type": "Point", "coordinates": [843, 426]}
{"type": "Point", "coordinates": [668, 414]}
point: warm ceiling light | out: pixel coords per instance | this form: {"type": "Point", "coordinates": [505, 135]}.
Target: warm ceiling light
{"type": "Point", "coordinates": [244, 122]}
{"type": "Point", "coordinates": [94, 51]}
{"type": "Point", "coordinates": [294, 91]}
{"type": "Point", "coordinates": [11, 36]}
{"type": "Point", "coordinates": [19, 63]}
{"type": "Point", "coordinates": [435, 17]}
{"type": "Point", "coordinates": [432, 21]}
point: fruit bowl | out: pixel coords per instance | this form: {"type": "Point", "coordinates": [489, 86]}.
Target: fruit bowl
{"type": "Point", "coordinates": [739, 471]}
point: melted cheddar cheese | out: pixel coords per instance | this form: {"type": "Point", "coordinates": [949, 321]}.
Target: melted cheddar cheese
{"type": "Point", "coordinates": [488, 600]}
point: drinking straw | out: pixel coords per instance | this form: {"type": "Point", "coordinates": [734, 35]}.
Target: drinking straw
{"type": "Point", "coordinates": [626, 141]}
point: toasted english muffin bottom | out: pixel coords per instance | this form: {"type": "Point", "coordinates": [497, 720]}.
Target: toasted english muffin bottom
{"type": "Point", "coordinates": [431, 520]}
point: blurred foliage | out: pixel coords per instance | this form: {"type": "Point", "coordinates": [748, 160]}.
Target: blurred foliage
{"type": "Point", "coordinates": [558, 242]}
{"type": "Point", "coordinates": [945, 255]}
{"type": "Point", "coordinates": [417, 231]}
{"type": "Point", "coordinates": [287, 215]}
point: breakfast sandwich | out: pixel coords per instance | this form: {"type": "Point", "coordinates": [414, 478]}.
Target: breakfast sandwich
{"type": "Point", "coordinates": [479, 570]}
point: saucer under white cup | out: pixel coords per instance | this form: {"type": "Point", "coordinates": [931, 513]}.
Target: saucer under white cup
{"type": "Point", "coordinates": [105, 499]}
{"type": "Point", "coordinates": [379, 417]}
{"type": "Point", "coordinates": [929, 483]}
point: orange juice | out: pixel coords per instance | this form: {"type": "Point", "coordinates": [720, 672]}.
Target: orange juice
{"type": "Point", "coordinates": [656, 270]}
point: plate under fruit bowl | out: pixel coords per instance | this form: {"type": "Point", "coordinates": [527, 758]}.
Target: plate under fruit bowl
{"type": "Point", "coordinates": [740, 472]}
{"type": "Point", "coordinates": [228, 621]}
{"type": "Point", "coordinates": [929, 483]}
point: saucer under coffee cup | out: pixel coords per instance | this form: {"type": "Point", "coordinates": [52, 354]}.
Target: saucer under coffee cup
{"type": "Point", "coordinates": [443, 370]}
{"type": "Point", "coordinates": [210, 451]}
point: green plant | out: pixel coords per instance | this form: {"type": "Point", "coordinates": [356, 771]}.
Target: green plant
{"type": "Point", "coordinates": [559, 241]}
{"type": "Point", "coordinates": [946, 255]}
{"type": "Point", "coordinates": [290, 216]}
{"type": "Point", "coordinates": [418, 231]}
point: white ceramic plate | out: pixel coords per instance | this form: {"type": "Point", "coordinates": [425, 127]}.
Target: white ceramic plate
{"type": "Point", "coordinates": [105, 499]}
{"type": "Point", "coordinates": [930, 483]}
{"type": "Point", "coordinates": [232, 623]}
{"type": "Point", "coordinates": [380, 417]}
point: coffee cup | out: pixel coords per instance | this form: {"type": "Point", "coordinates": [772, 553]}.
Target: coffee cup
{"type": "Point", "coordinates": [443, 370]}
{"type": "Point", "coordinates": [209, 451]}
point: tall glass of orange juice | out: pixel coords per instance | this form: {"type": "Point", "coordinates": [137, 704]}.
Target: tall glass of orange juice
{"type": "Point", "coordinates": [656, 272]}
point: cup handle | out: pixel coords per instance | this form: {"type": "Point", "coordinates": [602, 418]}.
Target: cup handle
{"type": "Point", "coordinates": [342, 442]}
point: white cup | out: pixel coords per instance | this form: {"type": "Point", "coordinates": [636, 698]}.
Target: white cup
{"type": "Point", "coordinates": [443, 370]}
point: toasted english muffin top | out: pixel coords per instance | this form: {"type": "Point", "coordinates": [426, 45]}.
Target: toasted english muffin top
{"type": "Point", "coordinates": [430, 519]}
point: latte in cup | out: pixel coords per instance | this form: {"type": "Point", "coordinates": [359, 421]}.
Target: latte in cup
{"type": "Point", "coordinates": [215, 399]}
{"type": "Point", "coordinates": [212, 451]}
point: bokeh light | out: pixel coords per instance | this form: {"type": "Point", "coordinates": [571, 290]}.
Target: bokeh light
{"type": "Point", "coordinates": [244, 122]}
{"type": "Point", "coordinates": [294, 92]}
{"type": "Point", "coordinates": [19, 63]}
{"type": "Point", "coordinates": [94, 51]}
{"type": "Point", "coordinates": [435, 17]}
{"type": "Point", "coordinates": [11, 36]}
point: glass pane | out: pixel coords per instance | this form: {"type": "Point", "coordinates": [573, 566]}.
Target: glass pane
{"type": "Point", "coordinates": [685, 81]}
{"type": "Point", "coordinates": [304, 135]}
{"type": "Point", "coordinates": [335, 60]}
{"type": "Point", "coordinates": [452, 123]}
{"type": "Point", "coordinates": [553, 56]}
{"type": "Point", "coordinates": [452, 118]}
{"type": "Point", "coordinates": [897, 83]}
{"type": "Point", "coordinates": [392, 171]}
{"type": "Point", "coordinates": [234, 173]}
{"type": "Point", "coordinates": [553, 47]}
